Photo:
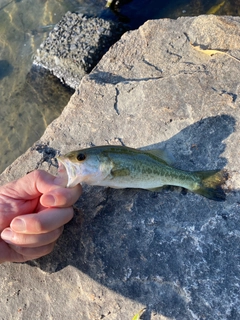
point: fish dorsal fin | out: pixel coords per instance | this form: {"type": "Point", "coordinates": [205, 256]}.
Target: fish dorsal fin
{"type": "Point", "coordinates": [163, 154]}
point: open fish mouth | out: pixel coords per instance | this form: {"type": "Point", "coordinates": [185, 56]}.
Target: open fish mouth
{"type": "Point", "coordinates": [64, 171]}
{"type": "Point", "coordinates": [68, 172]}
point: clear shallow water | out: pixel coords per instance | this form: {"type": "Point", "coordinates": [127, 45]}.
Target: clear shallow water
{"type": "Point", "coordinates": [28, 104]}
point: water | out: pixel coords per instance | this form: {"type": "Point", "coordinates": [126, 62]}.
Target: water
{"type": "Point", "coordinates": [27, 103]}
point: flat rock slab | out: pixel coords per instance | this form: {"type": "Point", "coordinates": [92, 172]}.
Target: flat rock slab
{"type": "Point", "coordinates": [175, 253]}
{"type": "Point", "coordinates": [75, 46]}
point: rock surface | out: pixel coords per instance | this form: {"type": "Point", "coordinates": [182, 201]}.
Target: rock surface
{"type": "Point", "coordinates": [75, 46]}
{"type": "Point", "coordinates": [175, 253]}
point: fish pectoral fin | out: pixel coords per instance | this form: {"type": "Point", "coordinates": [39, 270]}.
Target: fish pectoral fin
{"type": "Point", "coordinates": [120, 172]}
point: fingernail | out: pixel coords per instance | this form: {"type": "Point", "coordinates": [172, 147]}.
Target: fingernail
{"type": "Point", "coordinates": [7, 235]}
{"type": "Point", "coordinates": [49, 200]}
{"type": "Point", "coordinates": [18, 225]}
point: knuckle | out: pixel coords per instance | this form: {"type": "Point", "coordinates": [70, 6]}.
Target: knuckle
{"type": "Point", "coordinates": [37, 226]}
{"type": "Point", "coordinates": [36, 174]}
{"type": "Point", "coordinates": [33, 253]}
{"type": "Point", "coordinates": [48, 248]}
{"type": "Point", "coordinates": [57, 233]}
{"type": "Point", "coordinates": [20, 239]}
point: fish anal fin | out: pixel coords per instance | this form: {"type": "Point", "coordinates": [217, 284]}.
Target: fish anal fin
{"type": "Point", "coordinates": [158, 189]}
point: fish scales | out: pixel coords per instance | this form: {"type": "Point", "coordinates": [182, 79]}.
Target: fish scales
{"type": "Point", "coordinates": [143, 170]}
{"type": "Point", "coordinates": [151, 173]}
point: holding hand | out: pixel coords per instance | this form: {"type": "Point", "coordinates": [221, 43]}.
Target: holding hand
{"type": "Point", "coordinates": [33, 211]}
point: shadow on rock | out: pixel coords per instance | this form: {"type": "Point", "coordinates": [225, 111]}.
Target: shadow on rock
{"type": "Point", "coordinates": [167, 245]}
{"type": "Point", "coordinates": [199, 146]}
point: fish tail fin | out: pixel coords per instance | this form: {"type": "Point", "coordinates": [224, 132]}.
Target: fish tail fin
{"type": "Point", "coordinates": [210, 185]}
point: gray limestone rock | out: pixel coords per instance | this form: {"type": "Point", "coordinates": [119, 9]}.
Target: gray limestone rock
{"type": "Point", "coordinates": [175, 253]}
{"type": "Point", "coordinates": [75, 46]}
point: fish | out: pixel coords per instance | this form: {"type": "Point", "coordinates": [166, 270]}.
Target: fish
{"type": "Point", "coordinates": [43, 29]}
{"type": "Point", "coordinates": [215, 8]}
{"type": "Point", "coordinates": [124, 167]}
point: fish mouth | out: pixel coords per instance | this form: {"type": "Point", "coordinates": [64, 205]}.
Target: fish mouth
{"type": "Point", "coordinates": [62, 171]}
{"type": "Point", "coordinates": [67, 172]}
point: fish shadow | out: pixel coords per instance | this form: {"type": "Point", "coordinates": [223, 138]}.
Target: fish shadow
{"type": "Point", "coordinates": [148, 246]}
{"type": "Point", "coordinates": [200, 145]}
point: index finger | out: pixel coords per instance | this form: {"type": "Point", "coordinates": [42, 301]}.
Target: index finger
{"type": "Point", "coordinates": [30, 186]}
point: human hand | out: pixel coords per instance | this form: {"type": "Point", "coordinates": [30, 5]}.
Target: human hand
{"type": "Point", "coordinates": [33, 211]}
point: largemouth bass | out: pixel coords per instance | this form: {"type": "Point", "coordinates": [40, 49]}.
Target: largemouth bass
{"type": "Point", "coordinates": [215, 8]}
{"type": "Point", "coordinates": [123, 167]}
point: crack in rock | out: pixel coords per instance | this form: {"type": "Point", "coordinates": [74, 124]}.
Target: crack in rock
{"type": "Point", "coordinates": [116, 102]}
{"type": "Point", "coordinates": [108, 77]}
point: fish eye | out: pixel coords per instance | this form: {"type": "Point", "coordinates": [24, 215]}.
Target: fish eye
{"type": "Point", "coordinates": [81, 157]}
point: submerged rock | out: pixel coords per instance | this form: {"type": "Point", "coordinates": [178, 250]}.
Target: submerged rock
{"type": "Point", "coordinates": [175, 253]}
{"type": "Point", "coordinates": [5, 69]}
{"type": "Point", "coordinates": [75, 46]}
